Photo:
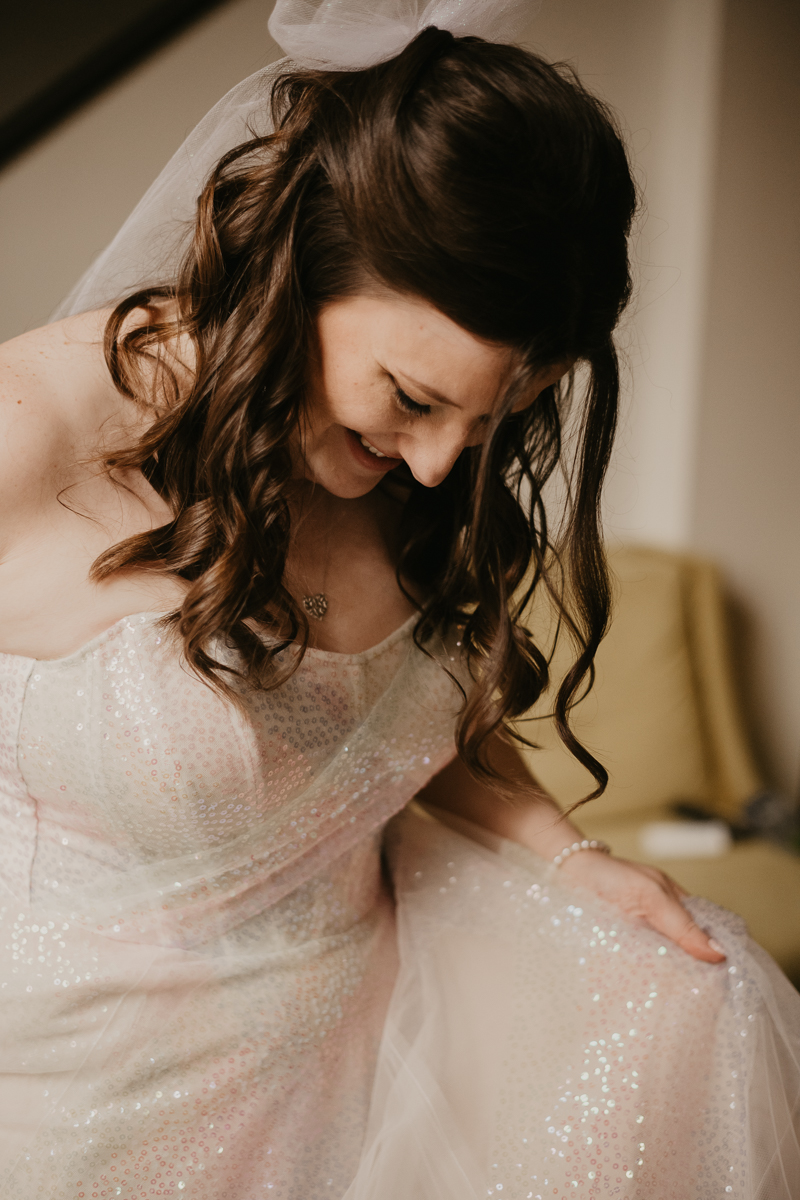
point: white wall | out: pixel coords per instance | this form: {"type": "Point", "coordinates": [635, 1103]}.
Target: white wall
{"type": "Point", "coordinates": [746, 507]}
{"type": "Point", "coordinates": [657, 63]}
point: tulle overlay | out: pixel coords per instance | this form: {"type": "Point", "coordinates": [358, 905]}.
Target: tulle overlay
{"type": "Point", "coordinates": [538, 1045]}
{"type": "Point", "coordinates": [198, 941]}
{"type": "Point", "coordinates": [237, 964]}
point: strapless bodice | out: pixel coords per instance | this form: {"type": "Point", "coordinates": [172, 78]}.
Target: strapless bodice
{"type": "Point", "coordinates": [131, 789]}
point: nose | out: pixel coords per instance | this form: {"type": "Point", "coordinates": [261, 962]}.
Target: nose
{"type": "Point", "coordinates": [431, 456]}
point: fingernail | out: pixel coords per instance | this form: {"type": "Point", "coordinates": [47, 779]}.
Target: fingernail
{"type": "Point", "coordinates": [714, 944]}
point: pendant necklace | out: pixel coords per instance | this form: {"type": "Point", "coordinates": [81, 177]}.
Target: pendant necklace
{"type": "Point", "coordinates": [316, 606]}
{"type": "Point", "coordinates": [316, 603]}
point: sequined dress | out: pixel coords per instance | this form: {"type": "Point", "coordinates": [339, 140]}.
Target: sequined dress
{"type": "Point", "coordinates": [237, 964]}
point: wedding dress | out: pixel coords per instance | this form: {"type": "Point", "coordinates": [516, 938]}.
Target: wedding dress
{"type": "Point", "coordinates": [213, 987]}
{"type": "Point", "coordinates": [239, 963]}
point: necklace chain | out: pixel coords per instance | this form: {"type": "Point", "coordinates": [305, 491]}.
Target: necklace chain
{"type": "Point", "coordinates": [316, 603]}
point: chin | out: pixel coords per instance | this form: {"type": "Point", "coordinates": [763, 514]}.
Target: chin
{"type": "Point", "coordinates": [348, 489]}
{"type": "Point", "coordinates": [341, 485]}
{"type": "Point", "coordinates": [337, 480]}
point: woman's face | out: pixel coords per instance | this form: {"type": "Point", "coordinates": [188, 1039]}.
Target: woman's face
{"type": "Point", "coordinates": [396, 381]}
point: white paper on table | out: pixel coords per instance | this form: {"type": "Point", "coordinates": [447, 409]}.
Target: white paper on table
{"type": "Point", "coordinates": [685, 839]}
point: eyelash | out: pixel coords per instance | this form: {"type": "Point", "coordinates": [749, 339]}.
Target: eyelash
{"type": "Point", "coordinates": [411, 406]}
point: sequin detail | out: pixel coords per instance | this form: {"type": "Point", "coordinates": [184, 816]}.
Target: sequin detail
{"type": "Point", "coordinates": [539, 1045]}
{"type": "Point", "coordinates": [200, 946]}
{"type": "Point", "coordinates": [208, 989]}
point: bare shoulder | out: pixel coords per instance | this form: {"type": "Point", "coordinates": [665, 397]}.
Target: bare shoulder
{"type": "Point", "coordinates": [53, 386]}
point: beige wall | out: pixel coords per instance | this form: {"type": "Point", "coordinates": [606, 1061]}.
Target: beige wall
{"type": "Point", "coordinates": [709, 450]}
{"type": "Point", "coordinates": [67, 196]}
{"type": "Point", "coordinates": [657, 63]}
{"type": "Point", "coordinates": [747, 501]}
{"type": "Point", "coordinates": [711, 401]}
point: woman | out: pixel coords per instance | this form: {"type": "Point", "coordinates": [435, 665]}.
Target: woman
{"type": "Point", "coordinates": [310, 463]}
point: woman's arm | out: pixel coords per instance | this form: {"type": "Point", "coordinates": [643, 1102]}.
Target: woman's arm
{"type": "Point", "coordinates": [534, 820]}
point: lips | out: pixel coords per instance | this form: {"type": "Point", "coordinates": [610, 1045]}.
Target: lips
{"type": "Point", "coordinates": [366, 458]}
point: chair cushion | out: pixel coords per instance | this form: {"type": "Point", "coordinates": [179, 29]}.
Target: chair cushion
{"type": "Point", "coordinates": [642, 718]}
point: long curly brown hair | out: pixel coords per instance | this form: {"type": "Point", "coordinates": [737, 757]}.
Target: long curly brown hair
{"type": "Point", "coordinates": [492, 185]}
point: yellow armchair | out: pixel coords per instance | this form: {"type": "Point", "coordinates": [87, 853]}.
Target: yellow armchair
{"type": "Point", "coordinates": [663, 719]}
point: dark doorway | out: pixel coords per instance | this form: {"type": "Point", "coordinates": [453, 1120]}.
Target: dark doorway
{"type": "Point", "coordinates": [54, 54]}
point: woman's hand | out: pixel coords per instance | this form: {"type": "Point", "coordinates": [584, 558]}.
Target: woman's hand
{"type": "Point", "coordinates": [644, 893]}
{"type": "Point", "coordinates": [639, 892]}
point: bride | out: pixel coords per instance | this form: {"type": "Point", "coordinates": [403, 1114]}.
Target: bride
{"type": "Point", "coordinates": [283, 914]}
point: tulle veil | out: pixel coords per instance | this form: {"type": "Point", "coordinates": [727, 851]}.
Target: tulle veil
{"type": "Point", "coordinates": [331, 34]}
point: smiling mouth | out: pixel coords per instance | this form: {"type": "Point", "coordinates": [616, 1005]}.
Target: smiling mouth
{"type": "Point", "coordinates": [369, 455]}
{"type": "Point", "coordinates": [372, 449]}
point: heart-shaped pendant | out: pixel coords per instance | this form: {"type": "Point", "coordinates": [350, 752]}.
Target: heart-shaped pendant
{"type": "Point", "coordinates": [316, 606]}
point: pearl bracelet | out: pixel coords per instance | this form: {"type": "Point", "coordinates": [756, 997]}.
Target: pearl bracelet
{"type": "Point", "coordinates": [576, 847]}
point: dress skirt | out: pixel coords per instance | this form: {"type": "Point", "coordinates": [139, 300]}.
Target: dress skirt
{"type": "Point", "coordinates": [434, 1018]}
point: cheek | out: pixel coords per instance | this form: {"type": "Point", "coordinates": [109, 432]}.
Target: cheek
{"type": "Point", "coordinates": [354, 408]}
{"type": "Point", "coordinates": [476, 437]}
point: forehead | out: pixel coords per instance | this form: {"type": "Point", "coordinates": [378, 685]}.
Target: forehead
{"type": "Point", "coordinates": [419, 317]}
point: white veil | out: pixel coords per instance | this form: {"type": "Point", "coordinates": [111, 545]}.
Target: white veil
{"type": "Point", "coordinates": [346, 35]}
{"type": "Point", "coordinates": [333, 34]}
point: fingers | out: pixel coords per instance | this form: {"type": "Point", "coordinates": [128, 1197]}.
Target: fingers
{"type": "Point", "coordinates": [668, 916]}
{"type": "Point", "coordinates": [644, 893]}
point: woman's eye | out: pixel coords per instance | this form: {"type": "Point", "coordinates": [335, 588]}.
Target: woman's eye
{"type": "Point", "coordinates": [411, 406]}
